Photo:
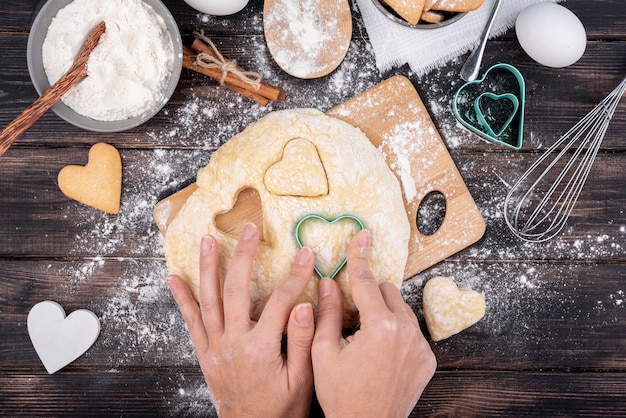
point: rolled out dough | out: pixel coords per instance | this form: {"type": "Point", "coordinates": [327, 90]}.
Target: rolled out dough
{"type": "Point", "coordinates": [342, 173]}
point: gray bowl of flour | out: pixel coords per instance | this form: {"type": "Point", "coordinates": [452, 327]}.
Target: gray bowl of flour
{"type": "Point", "coordinates": [115, 95]}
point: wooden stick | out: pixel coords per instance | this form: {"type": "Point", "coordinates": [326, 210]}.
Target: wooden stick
{"type": "Point", "coordinates": [269, 91]}
{"type": "Point", "coordinates": [32, 113]}
{"type": "Point", "coordinates": [189, 63]}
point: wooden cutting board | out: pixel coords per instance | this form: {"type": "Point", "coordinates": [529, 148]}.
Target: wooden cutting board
{"type": "Point", "coordinates": [395, 120]}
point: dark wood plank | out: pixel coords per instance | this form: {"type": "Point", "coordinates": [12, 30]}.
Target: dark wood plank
{"type": "Point", "coordinates": [540, 316]}
{"type": "Point", "coordinates": [556, 98]}
{"type": "Point", "coordinates": [164, 391]}
{"type": "Point", "coordinates": [21, 16]}
{"type": "Point", "coordinates": [218, 111]}
{"type": "Point", "coordinates": [476, 394]}
{"type": "Point", "coordinates": [603, 19]}
{"type": "Point", "coordinates": [156, 391]}
{"type": "Point", "coordinates": [38, 220]}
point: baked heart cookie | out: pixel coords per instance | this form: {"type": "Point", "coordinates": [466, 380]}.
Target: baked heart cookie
{"type": "Point", "coordinates": [97, 184]}
{"type": "Point", "coordinates": [430, 11]}
{"type": "Point", "coordinates": [409, 10]}
{"type": "Point", "coordinates": [449, 310]}
{"type": "Point", "coordinates": [457, 5]}
{"type": "Point", "coordinates": [300, 162]}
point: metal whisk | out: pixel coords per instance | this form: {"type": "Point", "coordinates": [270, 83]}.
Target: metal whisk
{"type": "Point", "coordinates": [539, 203]}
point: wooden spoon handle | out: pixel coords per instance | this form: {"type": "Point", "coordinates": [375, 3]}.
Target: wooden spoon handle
{"type": "Point", "coordinates": [33, 112]}
{"type": "Point", "coordinates": [77, 72]}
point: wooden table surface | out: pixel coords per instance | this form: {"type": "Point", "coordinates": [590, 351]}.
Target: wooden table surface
{"type": "Point", "coordinates": [553, 341]}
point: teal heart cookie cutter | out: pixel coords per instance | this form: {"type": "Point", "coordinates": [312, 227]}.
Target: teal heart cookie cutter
{"type": "Point", "coordinates": [323, 219]}
{"type": "Point", "coordinates": [503, 84]}
{"type": "Point", "coordinates": [495, 97]}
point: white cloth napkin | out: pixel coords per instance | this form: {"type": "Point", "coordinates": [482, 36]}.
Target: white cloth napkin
{"type": "Point", "coordinates": [426, 49]}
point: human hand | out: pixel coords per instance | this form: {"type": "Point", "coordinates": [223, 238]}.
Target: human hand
{"type": "Point", "coordinates": [381, 370]}
{"type": "Point", "coordinates": [241, 360]}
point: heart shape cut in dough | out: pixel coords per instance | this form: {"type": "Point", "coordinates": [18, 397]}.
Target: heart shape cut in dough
{"type": "Point", "coordinates": [59, 340]}
{"type": "Point", "coordinates": [247, 208]}
{"type": "Point", "coordinates": [501, 79]}
{"type": "Point", "coordinates": [449, 310]}
{"type": "Point", "coordinates": [328, 239]}
{"type": "Point", "coordinates": [300, 171]}
{"type": "Point", "coordinates": [97, 184]}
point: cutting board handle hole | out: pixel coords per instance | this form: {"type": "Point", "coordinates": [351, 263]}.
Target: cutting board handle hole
{"type": "Point", "coordinates": [431, 213]}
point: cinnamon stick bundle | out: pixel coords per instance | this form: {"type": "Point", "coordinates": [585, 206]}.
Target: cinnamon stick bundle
{"type": "Point", "coordinates": [189, 62]}
{"type": "Point", "coordinates": [260, 92]}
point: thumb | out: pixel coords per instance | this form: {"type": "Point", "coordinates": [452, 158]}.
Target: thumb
{"type": "Point", "coordinates": [300, 330]}
{"type": "Point", "coordinates": [329, 320]}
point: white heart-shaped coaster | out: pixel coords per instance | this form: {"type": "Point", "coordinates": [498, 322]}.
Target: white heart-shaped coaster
{"type": "Point", "coordinates": [59, 340]}
{"type": "Point", "coordinates": [449, 310]}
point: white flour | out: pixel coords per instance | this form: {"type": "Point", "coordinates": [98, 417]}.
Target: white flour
{"type": "Point", "coordinates": [126, 71]}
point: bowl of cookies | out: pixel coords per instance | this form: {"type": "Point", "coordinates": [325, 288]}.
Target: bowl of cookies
{"type": "Point", "coordinates": [131, 73]}
{"type": "Point", "coordinates": [426, 14]}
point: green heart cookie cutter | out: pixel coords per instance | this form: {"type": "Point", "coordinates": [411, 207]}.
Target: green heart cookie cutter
{"type": "Point", "coordinates": [495, 97]}
{"type": "Point", "coordinates": [309, 217]}
{"type": "Point", "coordinates": [502, 81]}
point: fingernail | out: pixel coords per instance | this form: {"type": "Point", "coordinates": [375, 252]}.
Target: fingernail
{"type": "Point", "coordinates": [326, 287]}
{"type": "Point", "coordinates": [172, 284]}
{"type": "Point", "coordinates": [363, 240]}
{"type": "Point", "coordinates": [206, 245]}
{"type": "Point", "coordinates": [304, 256]}
{"type": "Point", "coordinates": [304, 314]}
{"type": "Point", "coordinates": [249, 229]}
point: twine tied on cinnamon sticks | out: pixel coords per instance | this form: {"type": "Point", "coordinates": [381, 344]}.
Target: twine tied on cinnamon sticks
{"type": "Point", "coordinates": [204, 57]}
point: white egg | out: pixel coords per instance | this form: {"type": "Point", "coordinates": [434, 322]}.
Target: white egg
{"type": "Point", "coordinates": [551, 34]}
{"type": "Point", "coordinates": [218, 7]}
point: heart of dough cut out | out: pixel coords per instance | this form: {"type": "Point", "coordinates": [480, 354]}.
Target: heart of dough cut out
{"type": "Point", "coordinates": [59, 340]}
{"type": "Point", "coordinates": [300, 172]}
{"type": "Point", "coordinates": [328, 239]}
{"type": "Point", "coordinates": [449, 310]}
{"type": "Point", "coordinates": [97, 184]}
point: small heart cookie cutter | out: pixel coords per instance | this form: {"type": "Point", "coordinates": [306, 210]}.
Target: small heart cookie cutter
{"type": "Point", "coordinates": [503, 122]}
{"type": "Point", "coordinates": [325, 220]}
{"type": "Point", "coordinates": [480, 113]}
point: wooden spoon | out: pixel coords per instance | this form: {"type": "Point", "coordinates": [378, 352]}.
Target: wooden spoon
{"type": "Point", "coordinates": [307, 38]}
{"type": "Point", "coordinates": [76, 73]}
